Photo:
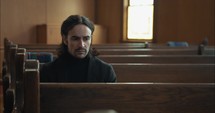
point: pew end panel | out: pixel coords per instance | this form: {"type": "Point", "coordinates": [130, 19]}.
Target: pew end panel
{"type": "Point", "coordinates": [31, 87]}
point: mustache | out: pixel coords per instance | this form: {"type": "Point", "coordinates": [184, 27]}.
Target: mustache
{"type": "Point", "coordinates": [81, 49]}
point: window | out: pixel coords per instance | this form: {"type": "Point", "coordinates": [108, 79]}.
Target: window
{"type": "Point", "coordinates": [138, 20]}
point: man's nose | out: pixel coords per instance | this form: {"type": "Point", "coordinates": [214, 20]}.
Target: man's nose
{"type": "Point", "coordinates": [81, 43]}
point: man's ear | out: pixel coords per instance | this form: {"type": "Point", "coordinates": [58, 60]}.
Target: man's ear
{"type": "Point", "coordinates": [65, 41]}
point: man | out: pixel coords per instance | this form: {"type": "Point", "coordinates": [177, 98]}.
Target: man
{"type": "Point", "coordinates": [75, 62]}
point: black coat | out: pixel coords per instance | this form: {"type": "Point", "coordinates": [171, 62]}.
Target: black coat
{"type": "Point", "coordinates": [68, 69]}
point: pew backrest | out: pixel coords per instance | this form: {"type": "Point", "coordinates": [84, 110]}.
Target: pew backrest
{"type": "Point", "coordinates": [169, 73]}
{"type": "Point", "coordinates": [167, 51]}
{"type": "Point", "coordinates": [163, 59]}
{"type": "Point", "coordinates": [129, 49]}
{"type": "Point", "coordinates": [127, 97]}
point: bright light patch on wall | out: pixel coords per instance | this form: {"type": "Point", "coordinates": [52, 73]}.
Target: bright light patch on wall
{"type": "Point", "coordinates": [140, 19]}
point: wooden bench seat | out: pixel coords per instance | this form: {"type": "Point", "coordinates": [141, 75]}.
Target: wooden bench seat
{"type": "Point", "coordinates": [172, 59]}
{"type": "Point", "coordinates": [168, 73]}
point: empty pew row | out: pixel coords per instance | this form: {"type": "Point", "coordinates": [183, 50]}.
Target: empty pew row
{"type": "Point", "coordinates": [168, 51]}
{"type": "Point", "coordinates": [193, 50]}
{"type": "Point", "coordinates": [133, 56]}
{"type": "Point", "coordinates": [98, 46]}
{"type": "Point", "coordinates": [166, 59]}
{"type": "Point", "coordinates": [139, 51]}
{"type": "Point", "coordinates": [167, 73]}
{"type": "Point", "coordinates": [113, 46]}
{"type": "Point", "coordinates": [104, 49]}
{"type": "Point", "coordinates": [45, 57]}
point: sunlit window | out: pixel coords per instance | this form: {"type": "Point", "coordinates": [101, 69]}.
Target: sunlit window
{"type": "Point", "coordinates": [140, 19]}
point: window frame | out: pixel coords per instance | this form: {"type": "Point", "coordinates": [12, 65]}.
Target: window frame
{"type": "Point", "coordinates": [125, 25]}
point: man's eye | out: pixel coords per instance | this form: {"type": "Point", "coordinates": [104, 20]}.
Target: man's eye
{"type": "Point", "coordinates": [74, 38]}
{"type": "Point", "coordinates": [86, 38]}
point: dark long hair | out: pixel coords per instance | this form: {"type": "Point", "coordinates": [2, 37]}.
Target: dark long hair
{"type": "Point", "coordinates": [68, 24]}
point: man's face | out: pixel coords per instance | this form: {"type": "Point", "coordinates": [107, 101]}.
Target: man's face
{"type": "Point", "coordinates": [78, 41]}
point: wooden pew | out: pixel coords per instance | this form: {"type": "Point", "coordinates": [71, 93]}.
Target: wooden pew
{"type": "Point", "coordinates": [167, 73]}
{"type": "Point", "coordinates": [125, 97]}
{"type": "Point", "coordinates": [98, 46]}
{"type": "Point", "coordinates": [31, 87]}
{"type": "Point", "coordinates": [129, 51]}
{"type": "Point", "coordinates": [122, 97]}
{"type": "Point", "coordinates": [7, 92]}
{"type": "Point", "coordinates": [14, 58]}
{"type": "Point", "coordinates": [15, 99]}
{"type": "Point", "coordinates": [169, 51]}
{"type": "Point", "coordinates": [172, 59]}
{"type": "Point", "coordinates": [185, 73]}
{"type": "Point", "coordinates": [40, 48]}
{"type": "Point", "coordinates": [191, 97]}
{"type": "Point", "coordinates": [110, 46]}
{"type": "Point", "coordinates": [10, 72]}
{"type": "Point", "coordinates": [132, 51]}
